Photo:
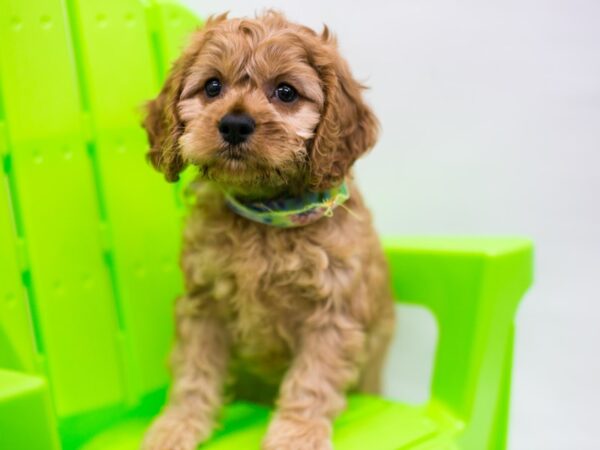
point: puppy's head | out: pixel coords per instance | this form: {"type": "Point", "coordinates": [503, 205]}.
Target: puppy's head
{"type": "Point", "coordinates": [260, 106]}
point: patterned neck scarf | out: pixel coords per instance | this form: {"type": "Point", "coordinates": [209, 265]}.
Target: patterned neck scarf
{"type": "Point", "coordinates": [291, 212]}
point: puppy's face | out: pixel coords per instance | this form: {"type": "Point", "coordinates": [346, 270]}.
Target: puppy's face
{"type": "Point", "coordinates": [260, 106]}
{"type": "Point", "coordinates": [249, 104]}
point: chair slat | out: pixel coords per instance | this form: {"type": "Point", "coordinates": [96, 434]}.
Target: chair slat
{"type": "Point", "coordinates": [119, 65]}
{"type": "Point", "coordinates": [17, 350]}
{"type": "Point", "coordinates": [67, 277]}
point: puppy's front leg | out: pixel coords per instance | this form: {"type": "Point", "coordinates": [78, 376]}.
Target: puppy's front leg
{"type": "Point", "coordinates": [199, 362]}
{"type": "Point", "coordinates": [313, 391]}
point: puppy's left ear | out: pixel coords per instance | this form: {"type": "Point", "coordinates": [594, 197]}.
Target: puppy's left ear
{"type": "Point", "coordinates": [348, 127]}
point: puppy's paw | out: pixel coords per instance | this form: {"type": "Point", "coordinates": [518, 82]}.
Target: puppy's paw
{"type": "Point", "coordinates": [175, 430]}
{"type": "Point", "coordinates": [297, 433]}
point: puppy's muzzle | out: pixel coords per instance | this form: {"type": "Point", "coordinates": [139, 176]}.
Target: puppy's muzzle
{"type": "Point", "coordinates": [236, 128]}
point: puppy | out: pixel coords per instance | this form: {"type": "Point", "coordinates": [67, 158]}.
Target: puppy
{"type": "Point", "coordinates": [285, 277]}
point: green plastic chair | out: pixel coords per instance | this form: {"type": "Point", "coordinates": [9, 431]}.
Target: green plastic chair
{"type": "Point", "coordinates": [89, 241]}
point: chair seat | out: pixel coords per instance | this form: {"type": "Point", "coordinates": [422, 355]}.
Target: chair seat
{"type": "Point", "coordinates": [369, 423]}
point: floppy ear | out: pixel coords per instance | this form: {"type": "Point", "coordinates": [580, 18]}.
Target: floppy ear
{"type": "Point", "coordinates": [348, 127]}
{"type": "Point", "coordinates": [164, 126]}
{"type": "Point", "coordinates": [162, 123]}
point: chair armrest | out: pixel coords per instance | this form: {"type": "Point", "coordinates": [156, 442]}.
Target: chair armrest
{"type": "Point", "coordinates": [423, 266]}
{"type": "Point", "coordinates": [473, 287]}
{"type": "Point", "coordinates": [27, 419]}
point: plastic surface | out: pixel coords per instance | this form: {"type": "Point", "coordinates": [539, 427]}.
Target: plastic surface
{"type": "Point", "coordinates": [89, 242]}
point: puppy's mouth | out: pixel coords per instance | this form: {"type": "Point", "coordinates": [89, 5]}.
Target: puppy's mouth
{"type": "Point", "coordinates": [233, 153]}
{"type": "Point", "coordinates": [233, 158]}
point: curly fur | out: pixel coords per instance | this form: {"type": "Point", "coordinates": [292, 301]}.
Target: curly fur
{"type": "Point", "coordinates": [307, 310]}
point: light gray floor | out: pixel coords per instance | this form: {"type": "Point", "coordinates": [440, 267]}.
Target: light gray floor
{"type": "Point", "coordinates": [491, 125]}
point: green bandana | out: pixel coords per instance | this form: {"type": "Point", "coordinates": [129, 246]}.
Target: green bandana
{"type": "Point", "coordinates": [294, 211]}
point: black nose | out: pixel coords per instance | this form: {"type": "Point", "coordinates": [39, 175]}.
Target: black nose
{"type": "Point", "coordinates": [235, 128]}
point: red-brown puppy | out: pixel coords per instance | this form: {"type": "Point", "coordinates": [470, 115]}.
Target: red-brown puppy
{"type": "Point", "coordinates": [270, 114]}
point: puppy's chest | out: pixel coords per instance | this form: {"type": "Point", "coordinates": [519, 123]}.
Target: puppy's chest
{"type": "Point", "coordinates": [263, 286]}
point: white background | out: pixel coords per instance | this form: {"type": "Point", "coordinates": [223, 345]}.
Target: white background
{"type": "Point", "coordinates": [491, 125]}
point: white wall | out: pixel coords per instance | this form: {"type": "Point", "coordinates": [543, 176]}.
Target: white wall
{"type": "Point", "coordinates": [491, 125]}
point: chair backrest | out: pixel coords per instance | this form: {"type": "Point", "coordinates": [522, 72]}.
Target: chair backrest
{"type": "Point", "coordinates": [89, 234]}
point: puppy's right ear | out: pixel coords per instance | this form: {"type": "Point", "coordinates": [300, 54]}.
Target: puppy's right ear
{"type": "Point", "coordinates": [164, 127]}
{"type": "Point", "coordinates": [162, 123]}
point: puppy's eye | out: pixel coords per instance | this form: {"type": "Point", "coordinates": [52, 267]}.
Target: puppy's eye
{"type": "Point", "coordinates": [213, 87]}
{"type": "Point", "coordinates": [286, 93]}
